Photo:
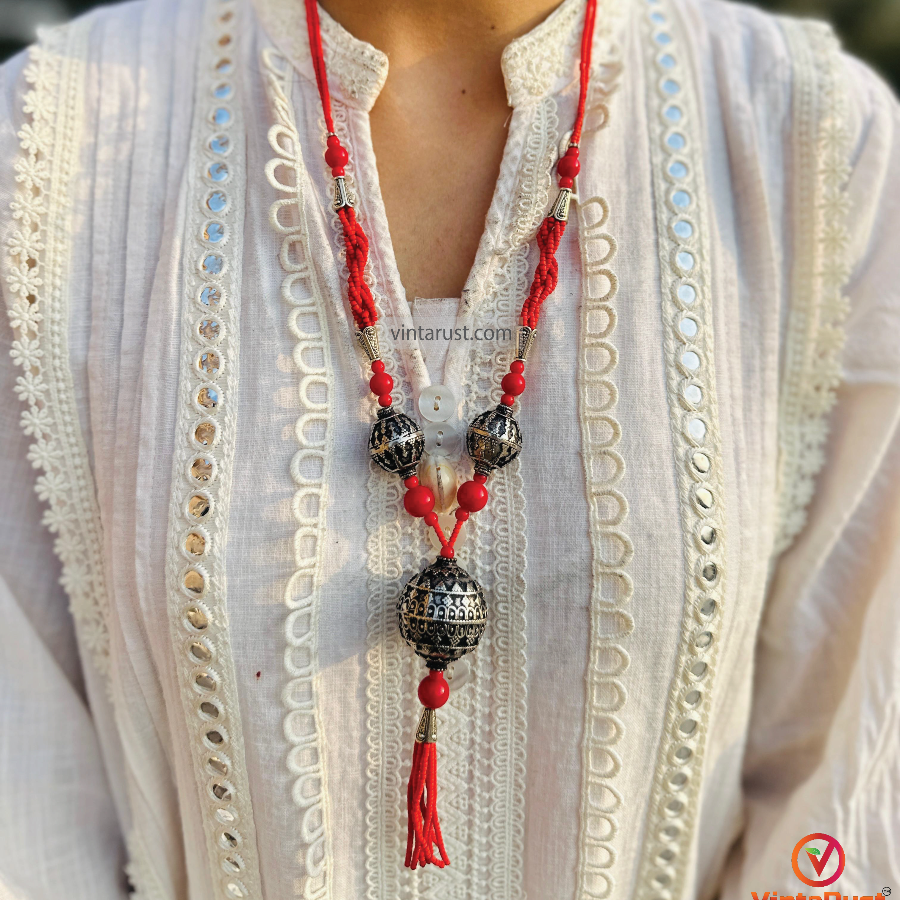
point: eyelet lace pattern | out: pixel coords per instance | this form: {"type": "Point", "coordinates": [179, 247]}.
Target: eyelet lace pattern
{"type": "Point", "coordinates": [208, 393]}
{"type": "Point", "coordinates": [815, 334]}
{"type": "Point", "coordinates": [690, 364]}
{"type": "Point", "coordinates": [310, 467]}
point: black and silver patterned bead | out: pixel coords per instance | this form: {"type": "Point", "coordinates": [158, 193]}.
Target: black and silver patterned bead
{"type": "Point", "coordinates": [396, 443]}
{"type": "Point", "coordinates": [494, 439]}
{"type": "Point", "coordinates": [442, 613]}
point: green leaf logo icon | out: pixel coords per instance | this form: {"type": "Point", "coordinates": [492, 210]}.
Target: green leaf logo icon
{"type": "Point", "coordinates": [813, 850]}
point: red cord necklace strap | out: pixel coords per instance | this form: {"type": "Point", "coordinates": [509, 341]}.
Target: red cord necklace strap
{"type": "Point", "coordinates": [314, 28]}
{"type": "Point", "coordinates": [549, 235]}
{"type": "Point", "coordinates": [356, 244]}
{"type": "Point", "coordinates": [442, 610]}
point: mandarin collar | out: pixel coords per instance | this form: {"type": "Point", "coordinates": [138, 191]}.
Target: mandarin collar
{"type": "Point", "coordinates": [541, 62]}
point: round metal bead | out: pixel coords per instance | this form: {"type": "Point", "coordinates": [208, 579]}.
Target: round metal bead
{"type": "Point", "coordinates": [442, 613]}
{"type": "Point", "coordinates": [396, 442]}
{"type": "Point", "coordinates": [494, 439]}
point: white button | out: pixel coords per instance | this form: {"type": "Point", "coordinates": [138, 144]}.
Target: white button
{"type": "Point", "coordinates": [437, 403]}
{"type": "Point", "coordinates": [443, 439]}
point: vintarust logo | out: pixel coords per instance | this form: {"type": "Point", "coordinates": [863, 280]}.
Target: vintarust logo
{"type": "Point", "coordinates": [818, 860]}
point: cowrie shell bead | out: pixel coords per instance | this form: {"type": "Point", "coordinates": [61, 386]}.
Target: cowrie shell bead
{"type": "Point", "coordinates": [440, 476]}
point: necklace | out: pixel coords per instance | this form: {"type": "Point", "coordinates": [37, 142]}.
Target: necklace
{"type": "Point", "coordinates": [442, 611]}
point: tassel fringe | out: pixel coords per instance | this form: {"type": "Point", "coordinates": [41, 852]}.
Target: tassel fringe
{"type": "Point", "coordinates": [423, 827]}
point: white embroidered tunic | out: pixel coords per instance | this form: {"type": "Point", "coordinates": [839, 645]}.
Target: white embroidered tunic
{"type": "Point", "coordinates": [689, 666]}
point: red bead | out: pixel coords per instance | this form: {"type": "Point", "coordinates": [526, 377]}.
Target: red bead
{"type": "Point", "coordinates": [447, 552]}
{"type": "Point", "coordinates": [507, 399]}
{"type": "Point", "coordinates": [434, 691]}
{"type": "Point", "coordinates": [569, 166]}
{"type": "Point", "coordinates": [419, 501]}
{"type": "Point", "coordinates": [378, 366]}
{"type": "Point", "coordinates": [385, 400]}
{"type": "Point", "coordinates": [472, 496]}
{"type": "Point", "coordinates": [411, 482]}
{"type": "Point", "coordinates": [381, 383]}
{"type": "Point", "coordinates": [480, 477]}
{"type": "Point", "coordinates": [516, 366]}
{"type": "Point", "coordinates": [513, 384]}
{"type": "Point", "coordinates": [462, 515]}
{"type": "Point", "coordinates": [431, 519]}
{"type": "Point", "coordinates": [336, 156]}
{"type": "Point", "coordinates": [566, 183]}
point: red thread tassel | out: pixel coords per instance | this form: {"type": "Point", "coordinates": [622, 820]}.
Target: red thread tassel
{"type": "Point", "coordinates": [424, 842]}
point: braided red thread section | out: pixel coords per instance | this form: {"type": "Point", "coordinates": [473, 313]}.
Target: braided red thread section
{"type": "Point", "coordinates": [546, 274]}
{"type": "Point", "coordinates": [359, 294]}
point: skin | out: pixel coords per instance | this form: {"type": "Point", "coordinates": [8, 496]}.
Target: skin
{"type": "Point", "coordinates": [440, 124]}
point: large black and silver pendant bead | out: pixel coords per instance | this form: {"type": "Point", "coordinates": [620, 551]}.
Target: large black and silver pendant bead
{"type": "Point", "coordinates": [396, 442]}
{"type": "Point", "coordinates": [494, 439]}
{"type": "Point", "coordinates": [442, 613]}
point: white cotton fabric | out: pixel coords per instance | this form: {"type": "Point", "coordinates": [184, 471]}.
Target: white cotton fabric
{"type": "Point", "coordinates": [803, 729]}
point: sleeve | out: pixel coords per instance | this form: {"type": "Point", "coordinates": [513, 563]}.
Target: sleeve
{"type": "Point", "coordinates": [823, 744]}
{"type": "Point", "coordinates": [59, 834]}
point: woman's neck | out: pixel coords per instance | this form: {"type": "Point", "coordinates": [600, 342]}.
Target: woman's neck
{"type": "Point", "coordinates": [409, 31]}
{"type": "Point", "coordinates": [439, 124]}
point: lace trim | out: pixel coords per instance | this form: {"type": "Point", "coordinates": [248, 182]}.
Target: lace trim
{"type": "Point", "coordinates": [815, 334]}
{"type": "Point", "coordinates": [201, 478]}
{"type": "Point", "coordinates": [611, 550]}
{"type": "Point", "coordinates": [39, 249]}
{"type": "Point", "coordinates": [310, 468]}
{"type": "Point", "coordinates": [356, 70]}
{"type": "Point", "coordinates": [361, 69]}
{"type": "Point", "coordinates": [690, 363]}
{"type": "Point", "coordinates": [37, 260]}
{"type": "Point", "coordinates": [546, 58]}
{"type": "Point", "coordinates": [496, 554]}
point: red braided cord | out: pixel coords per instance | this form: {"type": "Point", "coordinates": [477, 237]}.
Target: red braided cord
{"type": "Point", "coordinates": [546, 274]}
{"type": "Point", "coordinates": [362, 304]}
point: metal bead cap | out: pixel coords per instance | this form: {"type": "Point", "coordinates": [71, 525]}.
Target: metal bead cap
{"type": "Point", "coordinates": [494, 439]}
{"type": "Point", "coordinates": [442, 613]}
{"type": "Point", "coordinates": [368, 340]}
{"type": "Point", "coordinates": [524, 341]}
{"type": "Point", "coordinates": [396, 443]}
{"type": "Point", "coordinates": [342, 196]}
